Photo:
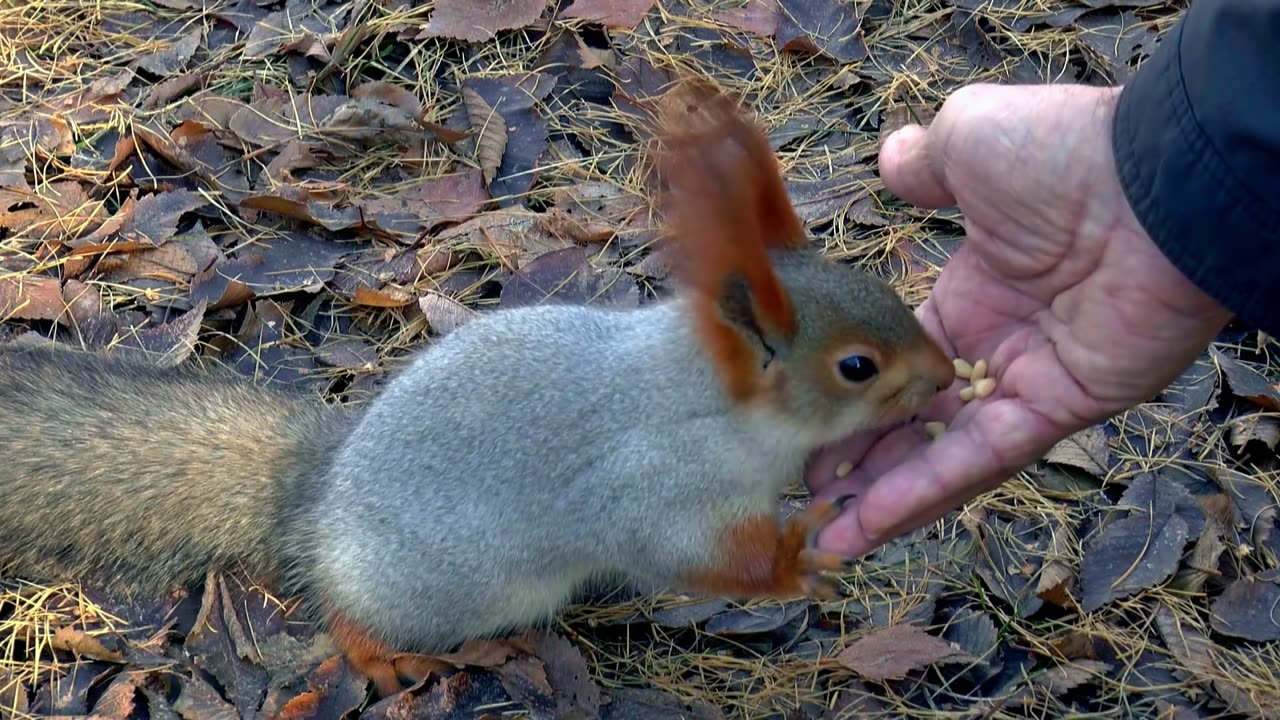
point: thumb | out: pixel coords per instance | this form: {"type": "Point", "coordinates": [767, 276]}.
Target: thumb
{"type": "Point", "coordinates": [911, 172]}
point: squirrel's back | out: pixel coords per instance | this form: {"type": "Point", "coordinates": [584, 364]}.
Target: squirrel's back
{"type": "Point", "coordinates": [116, 469]}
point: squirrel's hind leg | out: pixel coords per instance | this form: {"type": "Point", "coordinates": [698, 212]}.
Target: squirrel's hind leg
{"type": "Point", "coordinates": [762, 558]}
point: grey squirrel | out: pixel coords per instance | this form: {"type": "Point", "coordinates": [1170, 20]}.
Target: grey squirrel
{"type": "Point", "coordinates": [526, 453]}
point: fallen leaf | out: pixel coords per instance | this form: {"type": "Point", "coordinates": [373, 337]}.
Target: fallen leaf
{"type": "Point", "coordinates": [117, 701]}
{"type": "Point", "coordinates": [169, 344]}
{"type": "Point", "coordinates": [515, 98]}
{"type": "Point", "coordinates": [1014, 553]}
{"type": "Point", "coordinates": [173, 57]}
{"type": "Point", "coordinates": [31, 297]}
{"type": "Point", "coordinates": [1087, 449]}
{"type": "Point", "coordinates": [480, 20]}
{"type": "Point", "coordinates": [13, 693]}
{"type": "Point", "coordinates": [1247, 609]}
{"type": "Point", "coordinates": [221, 646]}
{"type": "Point", "coordinates": [383, 297]}
{"type": "Point", "coordinates": [169, 89]}
{"type": "Point", "coordinates": [1129, 555]}
{"type": "Point", "coordinates": [758, 17]}
{"type": "Point", "coordinates": [568, 276]}
{"type": "Point", "coordinates": [755, 620]}
{"type": "Point", "coordinates": [575, 691]}
{"type": "Point", "coordinates": [151, 222]}
{"type": "Point", "coordinates": [77, 641]}
{"type": "Point", "coordinates": [487, 652]}
{"type": "Point", "coordinates": [1068, 676]}
{"type": "Point", "coordinates": [1196, 653]}
{"type": "Point", "coordinates": [443, 313]}
{"type": "Point", "coordinates": [491, 133]}
{"type": "Point", "coordinates": [1254, 428]}
{"type": "Point", "coordinates": [892, 652]}
{"type": "Point", "coordinates": [610, 13]}
{"type": "Point", "coordinates": [284, 262]}
{"type": "Point", "coordinates": [461, 695]}
{"type": "Point", "coordinates": [1247, 383]}
{"type": "Point", "coordinates": [648, 704]}
{"type": "Point", "coordinates": [974, 632]}
{"type": "Point", "coordinates": [827, 27]}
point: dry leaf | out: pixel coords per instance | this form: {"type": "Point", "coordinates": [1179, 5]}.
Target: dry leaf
{"type": "Point", "coordinates": [382, 297]}
{"type": "Point", "coordinates": [480, 20]}
{"type": "Point", "coordinates": [1247, 609]}
{"type": "Point", "coordinates": [443, 313]}
{"type": "Point", "coordinates": [81, 643]}
{"type": "Point", "coordinates": [491, 133]}
{"type": "Point", "coordinates": [31, 297]}
{"type": "Point", "coordinates": [1086, 449]}
{"type": "Point", "coordinates": [892, 652]}
{"type": "Point", "coordinates": [610, 13]}
{"type": "Point", "coordinates": [1130, 555]}
{"type": "Point", "coordinates": [828, 27]}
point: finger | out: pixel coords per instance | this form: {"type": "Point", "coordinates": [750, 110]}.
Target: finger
{"type": "Point", "coordinates": [910, 171]}
{"type": "Point", "coordinates": [1002, 437]}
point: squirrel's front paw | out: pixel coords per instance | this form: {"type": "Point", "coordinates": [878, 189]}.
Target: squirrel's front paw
{"type": "Point", "coordinates": [762, 557]}
{"type": "Point", "coordinates": [800, 538]}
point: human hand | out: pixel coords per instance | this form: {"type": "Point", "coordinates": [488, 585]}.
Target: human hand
{"type": "Point", "coordinates": [1057, 285]}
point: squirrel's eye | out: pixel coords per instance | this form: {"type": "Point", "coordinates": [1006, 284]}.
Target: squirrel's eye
{"type": "Point", "coordinates": [858, 368]}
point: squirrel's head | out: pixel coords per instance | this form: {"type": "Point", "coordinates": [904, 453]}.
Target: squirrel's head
{"type": "Point", "coordinates": [823, 346]}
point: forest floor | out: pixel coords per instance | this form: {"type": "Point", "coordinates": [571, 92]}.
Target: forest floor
{"type": "Point", "coordinates": [308, 190]}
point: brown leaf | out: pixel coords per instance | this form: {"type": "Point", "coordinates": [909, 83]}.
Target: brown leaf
{"type": "Point", "coordinates": [61, 210]}
{"type": "Point", "coordinates": [649, 704]}
{"type": "Point", "coordinates": [13, 694]}
{"type": "Point", "coordinates": [491, 133]}
{"type": "Point", "coordinates": [151, 222]}
{"type": "Point", "coordinates": [117, 701]}
{"type": "Point", "coordinates": [1250, 428]}
{"type": "Point", "coordinates": [169, 344]}
{"type": "Point", "coordinates": [388, 296]}
{"type": "Point", "coordinates": [333, 691]}
{"type": "Point", "coordinates": [1247, 609]}
{"type": "Point", "coordinates": [480, 20]}
{"type": "Point", "coordinates": [487, 653]}
{"type": "Point", "coordinates": [758, 17]}
{"type": "Point", "coordinates": [443, 313]}
{"type": "Point", "coordinates": [281, 263]}
{"type": "Point", "coordinates": [1196, 653]}
{"type": "Point", "coordinates": [575, 692]}
{"type": "Point", "coordinates": [515, 98]}
{"type": "Point", "coordinates": [568, 275]}
{"type": "Point", "coordinates": [169, 89]}
{"type": "Point", "coordinates": [219, 644]}
{"type": "Point", "coordinates": [1129, 555]}
{"type": "Point", "coordinates": [755, 620]}
{"type": "Point", "coordinates": [624, 14]}
{"type": "Point", "coordinates": [30, 297]}
{"type": "Point", "coordinates": [1246, 382]}
{"type": "Point", "coordinates": [1058, 680]}
{"type": "Point", "coordinates": [82, 644]}
{"type": "Point", "coordinates": [1086, 449]}
{"type": "Point", "coordinates": [828, 27]}
{"type": "Point", "coordinates": [892, 652]}
{"type": "Point", "coordinates": [175, 54]}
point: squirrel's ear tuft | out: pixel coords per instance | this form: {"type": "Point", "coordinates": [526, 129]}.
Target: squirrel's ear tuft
{"type": "Point", "coordinates": [726, 208]}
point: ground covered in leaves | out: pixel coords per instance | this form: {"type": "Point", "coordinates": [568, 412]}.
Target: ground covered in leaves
{"type": "Point", "coordinates": [307, 190]}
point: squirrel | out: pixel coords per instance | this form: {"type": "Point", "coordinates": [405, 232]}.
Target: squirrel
{"type": "Point", "coordinates": [512, 461]}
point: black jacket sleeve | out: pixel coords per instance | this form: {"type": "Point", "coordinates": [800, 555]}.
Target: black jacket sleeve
{"type": "Point", "coordinates": [1197, 146]}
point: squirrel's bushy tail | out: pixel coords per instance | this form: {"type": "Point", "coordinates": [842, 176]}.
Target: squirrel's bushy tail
{"type": "Point", "coordinates": [142, 477]}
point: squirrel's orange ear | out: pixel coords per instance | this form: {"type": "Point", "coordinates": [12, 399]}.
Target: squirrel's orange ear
{"type": "Point", "coordinates": [726, 209]}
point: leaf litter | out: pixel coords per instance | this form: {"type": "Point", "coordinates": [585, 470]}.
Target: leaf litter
{"type": "Point", "coordinates": [307, 191]}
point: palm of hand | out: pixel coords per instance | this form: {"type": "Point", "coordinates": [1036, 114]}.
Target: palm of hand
{"type": "Point", "coordinates": [1076, 311]}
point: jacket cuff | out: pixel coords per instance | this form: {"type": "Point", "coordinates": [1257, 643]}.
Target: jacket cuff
{"type": "Point", "coordinates": [1182, 175]}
